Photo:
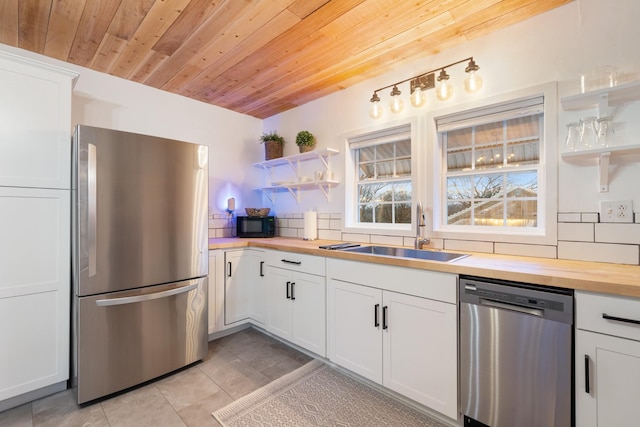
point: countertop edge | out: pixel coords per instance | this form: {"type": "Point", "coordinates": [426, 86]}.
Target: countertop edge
{"type": "Point", "coordinates": [616, 279]}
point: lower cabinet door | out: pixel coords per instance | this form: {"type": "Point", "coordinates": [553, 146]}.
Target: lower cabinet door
{"type": "Point", "coordinates": [279, 308]}
{"type": "Point", "coordinates": [420, 351]}
{"type": "Point", "coordinates": [309, 312]}
{"type": "Point", "coordinates": [607, 380]}
{"type": "Point", "coordinates": [355, 325]}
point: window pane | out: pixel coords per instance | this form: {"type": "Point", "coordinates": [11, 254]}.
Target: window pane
{"type": "Point", "coordinates": [459, 138]}
{"type": "Point", "coordinates": [522, 213]}
{"type": "Point", "coordinates": [522, 184]}
{"type": "Point", "coordinates": [459, 160]}
{"type": "Point", "coordinates": [367, 171]}
{"type": "Point", "coordinates": [403, 148]}
{"type": "Point", "coordinates": [384, 214]}
{"type": "Point", "coordinates": [459, 188]}
{"type": "Point", "coordinates": [489, 133]}
{"type": "Point", "coordinates": [523, 127]}
{"type": "Point", "coordinates": [489, 212]}
{"type": "Point", "coordinates": [488, 186]}
{"type": "Point", "coordinates": [366, 193]}
{"type": "Point", "coordinates": [385, 169]}
{"type": "Point", "coordinates": [490, 157]}
{"type": "Point", "coordinates": [459, 212]}
{"type": "Point", "coordinates": [385, 151]}
{"type": "Point", "coordinates": [367, 154]}
{"type": "Point", "coordinates": [403, 213]}
{"type": "Point", "coordinates": [402, 192]}
{"type": "Point", "coordinates": [366, 213]}
{"type": "Point", "coordinates": [403, 167]}
{"type": "Point", "coordinates": [523, 152]}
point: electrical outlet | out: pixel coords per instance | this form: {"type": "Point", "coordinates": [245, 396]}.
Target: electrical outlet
{"type": "Point", "coordinates": [616, 211]}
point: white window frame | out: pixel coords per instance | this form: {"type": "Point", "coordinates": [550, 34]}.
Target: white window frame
{"type": "Point", "coordinates": [546, 232]}
{"type": "Point", "coordinates": [351, 224]}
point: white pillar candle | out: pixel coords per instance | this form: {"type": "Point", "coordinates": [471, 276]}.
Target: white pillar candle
{"type": "Point", "coordinates": [231, 204]}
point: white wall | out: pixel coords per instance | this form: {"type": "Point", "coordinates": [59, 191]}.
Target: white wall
{"type": "Point", "coordinates": [110, 102]}
{"type": "Point", "coordinates": [556, 46]}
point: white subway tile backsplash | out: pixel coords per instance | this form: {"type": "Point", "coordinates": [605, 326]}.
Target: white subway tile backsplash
{"type": "Point", "coordinates": [323, 224]}
{"type": "Point", "coordinates": [569, 217]}
{"type": "Point", "coordinates": [575, 231]}
{"type": "Point", "coordinates": [324, 215]}
{"type": "Point", "coordinates": [386, 240]}
{"type": "Point", "coordinates": [599, 252]}
{"type": "Point", "coordinates": [618, 233]}
{"type": "Point", "coordinates": [336, 216]}
{"type": "Point", "coordinates": [296, 223]}
{"type": "Point", "coordinates": [288, 232]}
{"type": "Point", "coordinates": [335, 224]}
{"type": "Point", "coordinates": [590, 217]}
{"type": "Point", "coordinates": [358, 238]}
{"type": "Point", "coordinates": [330, 234]}
{"type": "Point", "coordinates": [526, 250]}
{"type": "Point", "coordinates": [468, 245]}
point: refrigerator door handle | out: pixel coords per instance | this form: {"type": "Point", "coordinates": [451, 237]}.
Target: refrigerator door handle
{"type": "Point", "coordinates": [147, 297]}
{"type": "Point", "coordinates": [91, 208]}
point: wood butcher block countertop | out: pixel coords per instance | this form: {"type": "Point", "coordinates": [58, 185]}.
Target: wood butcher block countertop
{"type": "Point", "coordinates": [608, 278]}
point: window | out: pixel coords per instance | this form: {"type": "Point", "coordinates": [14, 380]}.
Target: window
{"type": "Point", "coordinates": [493, 167]}
{"type": "Point", "coordinates": [382, 169]}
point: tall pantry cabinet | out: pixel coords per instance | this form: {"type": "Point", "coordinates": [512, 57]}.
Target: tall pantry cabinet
{"type": "Point", "coordinates": [35, 217]}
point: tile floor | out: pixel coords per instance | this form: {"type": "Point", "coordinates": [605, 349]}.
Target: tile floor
{"type": "Point", "coordinates": [235, 366]}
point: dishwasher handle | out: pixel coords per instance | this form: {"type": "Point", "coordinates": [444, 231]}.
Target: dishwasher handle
{"type": "Point", "coordinates": [512, 307]}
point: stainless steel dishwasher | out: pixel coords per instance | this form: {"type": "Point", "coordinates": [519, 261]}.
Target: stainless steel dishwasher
{"type": "Point", "coordinates": [516, 354]}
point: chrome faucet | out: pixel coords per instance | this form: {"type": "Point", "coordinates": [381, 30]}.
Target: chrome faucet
{"type": "Point", "coordinates": [420, 241]}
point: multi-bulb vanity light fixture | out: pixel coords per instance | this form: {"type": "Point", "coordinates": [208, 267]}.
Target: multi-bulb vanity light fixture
{"type": "Point", "coordinates": [419, 85]}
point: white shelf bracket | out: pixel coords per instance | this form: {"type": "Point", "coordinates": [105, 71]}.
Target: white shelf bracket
{"type": "Point", "coordinates": [325, 161]}
{"type": "Point", "coordinates": [295, 193]}
{"type": "Point", "coordinates": [603, 105]}
{"type": "Point", "coordinates": [325, 190]}
{"type": "Point", "coordinates": [604, 171]}
{"type": "Point", "coordinates": [270, 195]}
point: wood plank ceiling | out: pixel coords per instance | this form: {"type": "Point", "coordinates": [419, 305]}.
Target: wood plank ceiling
{"type": "Point", "coordinates": [258, 57]}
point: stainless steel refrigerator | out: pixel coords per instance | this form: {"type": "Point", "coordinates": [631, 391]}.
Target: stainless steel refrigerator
{"type": "Point", "coordinates": [140, 258]}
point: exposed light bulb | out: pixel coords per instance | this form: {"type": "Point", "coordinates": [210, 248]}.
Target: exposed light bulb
{"type": "Point", "coordinates": [418, 97]}
{"type": "Point", "coordinates": [473, 82]}
{"type": "Point", "coordinates": [444, 90]}
{"type": "Point", "coordinates": [375, 111]}
{"type": "Point", "coordinates": [397, 105]}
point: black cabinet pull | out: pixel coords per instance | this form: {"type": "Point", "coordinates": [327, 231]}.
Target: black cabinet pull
{"type": "Point", "coordinates": [291, 262]}
{"type": "Point", "coordinates": [229, 265]}
{"type": "Point", "coordinates": [261, 268]}
{"type": "Point", "coordinates": [293, 295]}
{"type": "Point", "coordinates": [376, 310]}
{"type": "Point", "coordinates": [587, 387]}
{"type": "Point", "coordinates": [620, 319]}
{"type": "Point", "coordinates": [288, 291]}
{"type": "Point", "coordinates": [384, 317]}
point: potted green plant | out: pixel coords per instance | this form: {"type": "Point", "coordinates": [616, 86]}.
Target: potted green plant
{"type": "Point", "coordinates": [273, 145]}
{"type": "Point", "coordinates": [305, 141]}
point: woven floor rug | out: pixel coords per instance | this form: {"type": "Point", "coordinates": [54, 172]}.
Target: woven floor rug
{"type": "Point", "coordinates": [317, 395]}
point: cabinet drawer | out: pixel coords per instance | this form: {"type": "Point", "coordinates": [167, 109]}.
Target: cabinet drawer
{"type": "Point", "coordinates": [296, 262]}
{"type": "Point", "coordinates": [592, 311]}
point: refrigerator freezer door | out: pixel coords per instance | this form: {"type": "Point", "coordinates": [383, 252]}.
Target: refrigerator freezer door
{"type": "Point", "coordinates": [126, 338]}
{"type": "Point", "coordinates": [141, 215]}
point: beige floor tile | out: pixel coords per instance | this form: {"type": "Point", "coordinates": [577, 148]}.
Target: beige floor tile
{"type": "Point", "coordinates": [236, 378]}
{"type": "Point", "coordinates": [187, 388]}
{"type": "Point", "coordinates": [199, 413]}
{"type": "Point", "coordinates": [61, 410]}
{"type": "Point", "coordinates": [144, 407]}
{"type": "Point", "coordinates": [17, 417]}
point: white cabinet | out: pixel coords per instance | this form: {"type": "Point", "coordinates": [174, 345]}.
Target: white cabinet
{"type": "Point", "coordinates": [216, 291]}
{"type": "Point", "coordinates": [35, 122]}
{"type": "Point", "coordinates": [35, 217]}
{"type": "Point", "coordinates": [607, 359]}
{"type": "Point", "coordinates": [34, 289]}
{"type": "Point", "coordinates": [397, 327]}
{"type": "Point", "coordinates": [296, 309]}
{"type": "Point", "coordinates": [244, 296]}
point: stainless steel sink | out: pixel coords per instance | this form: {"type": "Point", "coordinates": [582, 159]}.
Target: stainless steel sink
{"type": "Point", "coordinates": [407, 253]}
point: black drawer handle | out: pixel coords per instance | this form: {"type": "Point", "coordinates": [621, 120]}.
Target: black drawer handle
{"type": "Point", "coordinates": [376, 310]}
{"type": "Point", "coordinates": [261, 268]}
{"type": "Point", "coordinates": [229, 273]}
{"type": "Point", "coordinates": [293, 296]}
{"type": "Point", "coordinates": [587, 387]}
{"type": "Point", "coordinates": [620, 319]}
{"type": "Point", "coordinates": [288, 291]}
{"type": "Point", "coordinates": [291, 262]}
{"type": "Point", "coordinates": [384, 317]}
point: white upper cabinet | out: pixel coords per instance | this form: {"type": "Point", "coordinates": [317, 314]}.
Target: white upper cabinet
{"type": "Point", "coordinates": [35, 124]}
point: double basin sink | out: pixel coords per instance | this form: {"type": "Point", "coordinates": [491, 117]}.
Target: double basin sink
{"type": "Point", "coordinates": [390, 251]}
